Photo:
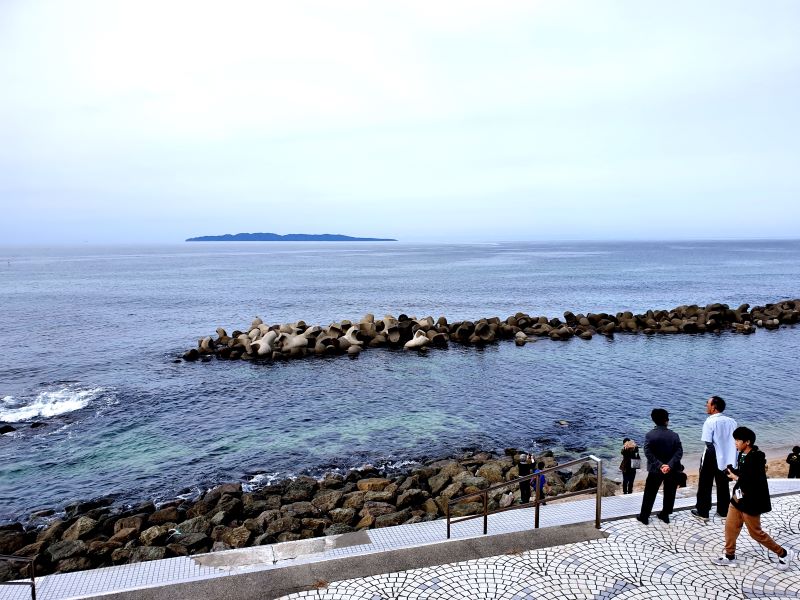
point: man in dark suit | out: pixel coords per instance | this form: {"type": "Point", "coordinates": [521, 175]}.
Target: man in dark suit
{"type": "Point", "coordinates": [664, 451]}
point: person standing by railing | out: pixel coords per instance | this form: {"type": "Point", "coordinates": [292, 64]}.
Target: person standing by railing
{"type": "Point", "coordinates": [793, 460]}
{"type": "Point", "coordinates": [540, 482]}
{"type": "Point", "coordinates": [718, 453]}
{"type": "Point", "coordinates": [525, 469]}
{"type": "Point", "coordinates": [631, 461]}
{"type": "Point", "coordinates": [664, 451]}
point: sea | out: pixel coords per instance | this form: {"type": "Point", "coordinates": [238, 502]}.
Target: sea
{"type": "Point", "coordinates": [100, 405]}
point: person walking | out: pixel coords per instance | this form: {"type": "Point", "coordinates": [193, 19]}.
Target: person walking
{"type": "Point", "coordinates": [631, 461]}
{"type": "Point", "coordinates": [794, 463]}
{"type": "Point", "coordinates": [719, 452]}
{"type": "Point", "coordinates": [750, 500]}
{"type": "Point", "coordinates": [663, 450]}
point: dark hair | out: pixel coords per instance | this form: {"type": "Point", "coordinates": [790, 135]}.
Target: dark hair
{"type": "Point", "coordinates": [540, 465]}
{"type": "Point", "coordinates": [626, 440]}
{"type": "Point", "coordinates": [659, 416]}
{"type": "Point", "coordinates": [718, 403]}
{"type": "Point", "coordinates": [744, 434]}
{"type": "Point", "coordinates": [796, 449]}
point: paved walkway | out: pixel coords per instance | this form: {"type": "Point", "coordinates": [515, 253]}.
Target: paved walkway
{"type": "Point", "coordinates": [635, 562]}
{"type": "Point", "coordinates": [85, 584]}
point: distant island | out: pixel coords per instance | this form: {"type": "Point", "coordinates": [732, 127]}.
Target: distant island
{"type": "Point", "coordinates": [289, 237]}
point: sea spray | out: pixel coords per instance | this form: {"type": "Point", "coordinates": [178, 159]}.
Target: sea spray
{"type": "Point", "coordinates": [47, 404]}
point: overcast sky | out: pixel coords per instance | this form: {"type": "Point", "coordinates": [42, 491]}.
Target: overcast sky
{"type": "Point", "coordinates": [425, 121]}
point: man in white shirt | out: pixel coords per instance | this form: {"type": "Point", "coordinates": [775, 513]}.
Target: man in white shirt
{"type": "Point", "coordinates": [719, 452]}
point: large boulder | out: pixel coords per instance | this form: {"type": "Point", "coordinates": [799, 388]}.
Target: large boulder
{"type": "Point", "coordinates": [377, 509]}
{"type": "Point", "coordinates": [491, 472]}
{"type": "Point", "coordinates": [136, 522]}
{"type": "Point", "coordinates": [31, 550]}
{"type": "Point", "coordinates": [80, 529]}
{"type": "Point", "coordinates": [581, 481]}
{"type": "Point", "coordinates": [230, 505]}
{"type": "Point", "coordinates": [282, 525]}
{"type": "Point", "coordinates": [238, 537]}
{"type": "Point", "coordinates": [373, 484]}
{"type": "Point", "coordinates": [384, 496]}
{"type": "Point", "coordinates": [314, 526]}
{"type": "Point", "coordinates": [471, 483]}
{"type": "Point", "coordinates": [338, 529]}
{"type": "Point", "coordinates": [354, 500]}
{"type": "Point", "coordinates": [300, 509]}
{"type": "Point", "coordinates": [327, 500]}
{"type": "Point", "coordinates": [12, 540]}
{"type": "Point", "coordinates": [79, 508]}
{"type": "Point", "coordinates": [301, 489]}
{"type": "Point", "coordinates": [451, 468]}
{"type": "Point", "coordinates": [53, 532]}
{"type": "Point", "coordinates": [146, 553]}
{"type": "Point", "coordinates": [196, 525]}
{"type": "Point", "coordinates": [99, 551]}
{"type": "Point", "coordinates": [76, 563]}
{"type": "Point", "coordinates": [438, 482]}
{"type": "Point", "coordinates": [165, 515]}
{"type": "Point", "coordinates": [392, 519]}
{"type": "Point", "coordinates": [463, 509]}
{"type": "Point", "coordinates": [193, 542]}
{"type": "Point", "coordinates": [125, 535]}
{"type": "Point", "coordinates": [342, 515]}
{"type": "Point", "coordinates": [153, 536]}
{"type": "Point", "coordinates": [412, 497]}
{"type": "Point", "coordinates": [65, 549]}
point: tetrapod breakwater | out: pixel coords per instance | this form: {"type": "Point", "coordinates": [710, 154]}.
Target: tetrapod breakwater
{"type": "Point", "coordinates": [261, 341]}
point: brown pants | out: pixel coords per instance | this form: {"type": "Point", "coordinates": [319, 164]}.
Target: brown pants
{"type": "Point", "coordinates": [733, 525]}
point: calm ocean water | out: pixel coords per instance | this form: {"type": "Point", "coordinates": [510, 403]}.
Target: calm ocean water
{"type": "Point", "coordinates": [92, 332]}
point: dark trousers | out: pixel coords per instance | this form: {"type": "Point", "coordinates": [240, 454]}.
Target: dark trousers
{"type": "Point", "coordinates": [651, 485]}
{"type": "Point", "coordinates": [710, 475]}
{"type": "Point", "coordinates": [627, 481]}
{"type": "Point", "coordinates": [525, 491]}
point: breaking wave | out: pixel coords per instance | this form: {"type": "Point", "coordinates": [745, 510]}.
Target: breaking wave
{"type": "Point", "coordinates": [47, 404]}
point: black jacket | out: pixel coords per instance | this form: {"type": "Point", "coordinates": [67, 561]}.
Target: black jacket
{"type": "Point", "coordinates": [663, 446]}
{"type": "Point", "coordinates": [627, 455]}
{"type": "Point", "coordinates": [794, 464]}
{"type": "Point", "coordinates": [752, 472]}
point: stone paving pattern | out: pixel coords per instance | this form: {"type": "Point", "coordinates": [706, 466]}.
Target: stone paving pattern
{"type": "Point", "coordinates": [636, 562]}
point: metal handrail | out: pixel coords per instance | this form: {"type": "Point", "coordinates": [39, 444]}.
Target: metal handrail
{"type": "Point", "coordinates": [536, 502]}
{"type": "Point", "coordinates": [31, 568]}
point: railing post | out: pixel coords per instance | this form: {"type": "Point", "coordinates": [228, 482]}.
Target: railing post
{"type": "Point", "coordinates": [537, 500]}
{"type": "Point", "coordinates": [32, 567]}
{"type": "Point", "coordinates": [598, 504]}
{"type": "Point", "coordinates": [485, 512]}
{"type": "Point", "coordinates": [447, 512]}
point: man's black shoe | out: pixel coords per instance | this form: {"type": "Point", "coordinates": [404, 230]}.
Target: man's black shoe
{"type": "Point", "coordinates": [664, 518]}
{"type": "Point", "coordinates": [698, 516]}
{"type": "Point", "coordinates": [642, 520]}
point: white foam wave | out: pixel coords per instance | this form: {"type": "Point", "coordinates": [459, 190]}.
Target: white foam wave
{"type": "Point", "coordinates": [47, 404]}
{"type": "Point", "coordinates": [261, 480]}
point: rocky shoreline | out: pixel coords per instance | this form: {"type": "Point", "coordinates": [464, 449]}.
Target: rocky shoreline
{"type": "Point", "coordinates": [296, 340]}
{"type": "Point", "coordinates": [98, 534]}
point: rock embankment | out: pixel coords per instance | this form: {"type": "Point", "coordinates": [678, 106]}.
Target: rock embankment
{"type": "Point", "coordinates": [296, 340]}
{"type": "Point", "coordinates": [96, 534]}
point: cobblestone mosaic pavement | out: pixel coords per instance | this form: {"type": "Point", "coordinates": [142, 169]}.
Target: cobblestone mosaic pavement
{"type": "Point", "coordinates": [636, 562]}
